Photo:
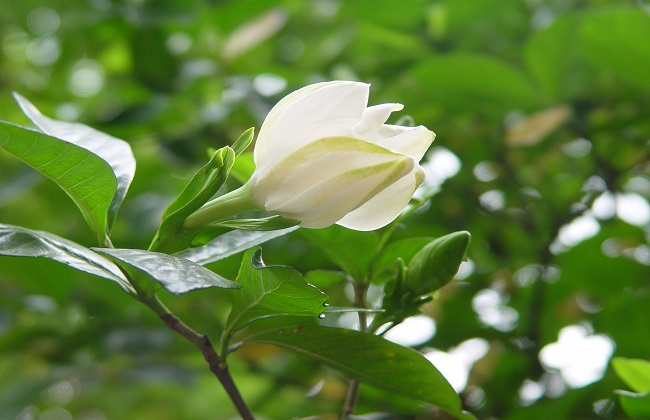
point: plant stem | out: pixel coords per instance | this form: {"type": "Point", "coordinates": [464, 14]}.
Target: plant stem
{"type": "Point", "coordinates": [353, 386]}
{"type": "Point", "coordinates": [202, 342]}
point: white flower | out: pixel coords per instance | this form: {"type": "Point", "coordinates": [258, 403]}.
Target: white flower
{"type": "Point", "coordinates": [323, 157]}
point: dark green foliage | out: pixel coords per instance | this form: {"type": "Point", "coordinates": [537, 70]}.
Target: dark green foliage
{"type": "Point", "coordinates": [545, 104]}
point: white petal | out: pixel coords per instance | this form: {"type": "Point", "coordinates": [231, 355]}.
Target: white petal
{"type": "Point", "coordinates": [319, 161]}
{"type": "Point", "coordinates": [412, 141]}
{"type": "Point", "coordinates": [306, 115]}
{"type": "Point", "coordinates": [286, 184]}
{"type": "Point", "coordinates": [374, 117]}
{"type": "Point", "coordinates": [385, 206]}
{"type": "Point", "coordinates": [327, 202]}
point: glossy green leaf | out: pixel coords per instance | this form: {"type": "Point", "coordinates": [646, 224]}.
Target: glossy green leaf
{"type": "Point", "coordinates": [83, 175]}
{"type": "Point", "coordinates": [245, 140]}
{"type": "Point", "coordinates": [476, 81]}
{"type": "Point", "coordinates": [171, 236]}
{"type": "Point", "coordinates": [177, 275]}
{"type": "Point", "coordinates": [117, 153]}
{"type": "Point", "coordinates": [349, 249]}
{"type": "Point", "coordinates": [615, 39]}
{"type": "Point", "coordinates": [634, 372]}
{"type": "Point", "coordinates": [16, 241]}
{"type": "Point", "coordinates": [372, 360]}
{"type": "Point", "coordinates": [231, 243]}
{"type": "Point", "coordinates": [271, 291]}
{"type": "Point", "coordinates": [636, 406]}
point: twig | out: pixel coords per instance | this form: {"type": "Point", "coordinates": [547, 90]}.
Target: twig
{"type": "Point", "coordinates": [353, 386]}
{"type": "Point", "coordinates": [202, 342]}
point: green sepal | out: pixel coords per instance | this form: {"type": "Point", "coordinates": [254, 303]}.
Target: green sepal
{"type": "Point", "coordinates": [429, 269]}
{"type": "Point", "coordinates": [172, 236]}
{"type": "Point", "coordinates": [265, 224]}
{"type": "Point", "coordinates": [262, 224]}
{"type": "Point", "coordinates": [398, 304]}
{"type": "Point", "coordinates": [245, 140]}
{"type": "Point", "coordinates": [243, 168]}
{"type": "Point", "coordinates": [436, 263]}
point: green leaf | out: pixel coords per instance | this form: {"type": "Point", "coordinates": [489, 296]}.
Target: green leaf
{"type": "Point", "coordinates": [117, 153]}
{"type": "Point", "coordinates": [612, 39]}
{"type": "Point", "coordinates": [16, 241]}
{"type": "Point", "coordinates": [177, 275]}
{"type": "Point", "coordinates": [229, 244]}
{"type": "Point", "coordinates": [245, 140]}
{"type": "Point", "coordinates": [634, 372]}
{"type": "Point", "coordinates": [437, 263]}
{"type": "Point", "coordinates": [83, 175]}
{"type": "Point", "coordinates": [349, 249]}
{"type": "Point", "coordinates": [636, 406]}
{"type": "Point", "coordinates": [172, 236]}
{"type": "Point", "coordinates": [370, 359]}
{"type": "Point", "coordinates": [271, 291]}
{"type": "Point", "coordinates": [463, 80]}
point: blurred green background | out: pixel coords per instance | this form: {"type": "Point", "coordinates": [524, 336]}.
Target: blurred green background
{"type": "Point", "coordinates": [542, 111]}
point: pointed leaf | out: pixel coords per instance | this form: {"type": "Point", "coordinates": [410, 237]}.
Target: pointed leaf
{"type": "Point", "coordinates": [271, 291]}
{"type": "Point", "coordinates": [171, 236]}
{"type": "Point", "coordinates": [229, 244]}
{"type": "Point", "coordinates": [83, 175]}
{"type": "Point", "coordinates": [16, 241]}
{"type": "Point", "coordinates": [117, 153]}
{"type": "Point", "coordinates": [177, 275]}
{"type": "Point", "coordinates": [370, 359]}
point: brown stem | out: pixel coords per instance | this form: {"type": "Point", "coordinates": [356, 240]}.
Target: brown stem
{"type": "Point", "coordinates": [217, 366]}
{"type": "Point", "coordinates": [353, 386]}
{"type": "Point", "coordinates": [350, 399]}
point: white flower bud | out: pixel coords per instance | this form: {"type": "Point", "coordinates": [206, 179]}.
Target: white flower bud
{"type": "Point", "coordinates": [324, 157]}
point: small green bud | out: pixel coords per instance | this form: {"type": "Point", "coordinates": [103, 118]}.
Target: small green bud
{"type": "Point", "coordinates": [436, 263]}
